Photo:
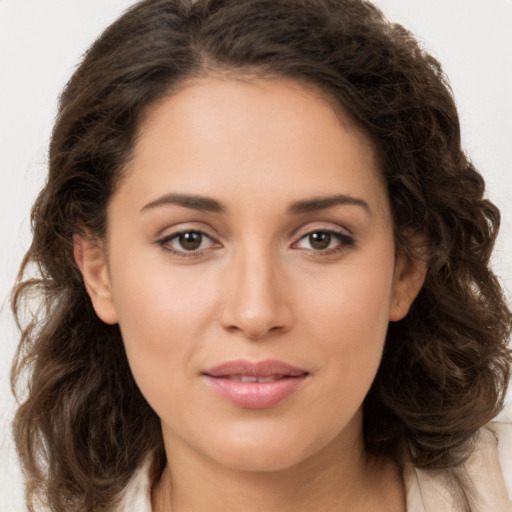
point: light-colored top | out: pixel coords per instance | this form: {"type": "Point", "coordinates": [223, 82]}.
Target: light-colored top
{"type": "Point", "coordinates": [488, 472]}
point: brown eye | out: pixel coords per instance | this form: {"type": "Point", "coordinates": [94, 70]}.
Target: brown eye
{"type": "Point", "coordinates": [187, 243]}
{"type": "Point", "coordinates": [326, 242]}
{"type": "Point", "coordinates": [320, 240]}
{"type": "Point", "coordinates": [190, 241]}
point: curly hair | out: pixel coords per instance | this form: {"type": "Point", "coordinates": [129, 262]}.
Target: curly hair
{"type": "Point", "coordinates": [83, 427]}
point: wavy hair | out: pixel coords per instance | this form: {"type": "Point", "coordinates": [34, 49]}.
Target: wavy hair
{"type": "Point", "coordinates": [83, 427]}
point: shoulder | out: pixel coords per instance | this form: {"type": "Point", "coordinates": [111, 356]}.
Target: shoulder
{"type": "Point", "coordinates": [487, 470]}
{"type": "Point", "coordinates": [137, 495]}
{"type": "Point", "coordinates": [502, 433]}
{"type": "Point", "coordinates": [486, 475]}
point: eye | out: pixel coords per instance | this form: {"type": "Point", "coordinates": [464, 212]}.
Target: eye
{"type": "Point", "coordinates": [325, 241]}
{"type": "Point", "coordinates": [187, 243]}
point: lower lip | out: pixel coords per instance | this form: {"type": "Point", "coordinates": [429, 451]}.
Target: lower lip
{"type": "Point", "coordinates": [256, 395]}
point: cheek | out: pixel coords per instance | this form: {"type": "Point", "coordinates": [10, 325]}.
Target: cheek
{"type": "Point", "coordinates": [161, 316]}
{"type": "Point", "coordinates": [352, 304]}
{"type": "Point", "coordinates": [348, 316]}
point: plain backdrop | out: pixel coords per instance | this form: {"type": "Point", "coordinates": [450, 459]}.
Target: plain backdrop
{"type": "Point", "coordinates": [41, 43]}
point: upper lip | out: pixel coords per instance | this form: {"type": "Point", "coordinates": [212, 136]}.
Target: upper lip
{"type": "Point", "coordinates": [266, 368]}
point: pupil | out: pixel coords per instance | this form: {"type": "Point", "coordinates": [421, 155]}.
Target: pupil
{"type": "Point", "coordinates": [320, 240]}
{"type": "Point", "coordinates": [191, 240]}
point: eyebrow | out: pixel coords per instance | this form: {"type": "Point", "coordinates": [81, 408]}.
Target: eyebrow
{"type": "Point", "coordinates": [324, 202]}
{"type": "Point", "coordinates": [208, 204]}
{"type": "Point", "coordinates": [187, 201]}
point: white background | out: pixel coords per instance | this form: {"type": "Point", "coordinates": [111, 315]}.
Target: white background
{"type": "Point", "coordinates": [40, 44]}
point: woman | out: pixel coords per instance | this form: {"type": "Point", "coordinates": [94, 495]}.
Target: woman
{"type": "Point", "coordinates": [265, 266]}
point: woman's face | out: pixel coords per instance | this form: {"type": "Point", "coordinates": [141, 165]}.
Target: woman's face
{"type": "Point", "coordinates": [250, 264]}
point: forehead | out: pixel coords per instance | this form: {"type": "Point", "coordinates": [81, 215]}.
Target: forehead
{"type": "Point", "coordinates": [232, 136]}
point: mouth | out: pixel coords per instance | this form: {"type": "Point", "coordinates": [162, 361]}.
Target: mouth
{"type": "Point", "coordinates": [270, 368]}
{"type": "Point", "coordinates": [251, 378]}
{"type": "Point", "coordinates": [256, 385]}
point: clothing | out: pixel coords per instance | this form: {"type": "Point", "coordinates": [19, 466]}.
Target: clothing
{"type": "Point", "coordinates": [426, 490]}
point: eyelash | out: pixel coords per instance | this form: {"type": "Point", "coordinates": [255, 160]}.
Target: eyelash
{"type": "Point", "coordinates": [163, 242]}
{"type": "Point", "coordinates": [344, 240]}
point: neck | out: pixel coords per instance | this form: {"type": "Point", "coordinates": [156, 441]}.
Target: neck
{"type": "Point", "coordinates": [340, 477]}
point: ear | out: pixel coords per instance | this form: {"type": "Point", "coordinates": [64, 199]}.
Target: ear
{"type": "Point", "coordinates": [90, 257]}
{"type": "Point", "coordinates": [409, 276]}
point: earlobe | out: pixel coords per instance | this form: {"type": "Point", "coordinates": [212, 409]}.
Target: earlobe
{"type": "Point", "coordinates": [91, 260]}
{"type": "Point", "coordinates": [410, 272]}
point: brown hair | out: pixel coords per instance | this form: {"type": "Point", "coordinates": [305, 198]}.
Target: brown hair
{"type": "Point", "coordinates": [83, 426]}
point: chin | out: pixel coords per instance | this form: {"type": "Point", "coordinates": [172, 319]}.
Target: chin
{"type": "Point", "coordinates": [263, 460]}
{"type": "Point", "coordinates": [265, 451]}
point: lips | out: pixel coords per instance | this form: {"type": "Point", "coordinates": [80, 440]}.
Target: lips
{"type": "Point", "coordinates": [250, 378]}
{"type": "Point", "coordinates": [255, 385]}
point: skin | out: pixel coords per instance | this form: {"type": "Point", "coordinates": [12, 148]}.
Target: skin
{"type": "Point", "coordinates": [257, 288]}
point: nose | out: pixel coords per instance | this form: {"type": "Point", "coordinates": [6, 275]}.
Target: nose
{"type": "Point", "coordinates": [255, 300]}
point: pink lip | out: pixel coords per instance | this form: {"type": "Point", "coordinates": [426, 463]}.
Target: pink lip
{"type": "Point", "coordinates": [255, 395]}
